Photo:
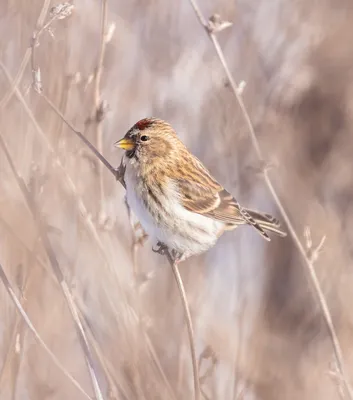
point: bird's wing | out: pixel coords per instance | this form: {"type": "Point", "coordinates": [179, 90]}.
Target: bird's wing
{"type": "Point", "coordinates": [217, 204]}
{"type": "Point", "coordinates": [199, 192]}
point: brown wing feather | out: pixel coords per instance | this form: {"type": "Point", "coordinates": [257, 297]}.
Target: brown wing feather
{"type": "Point", "coordinates": [201, 193]}
{"type": "Point", "coordinates": [196, 197]}
{"type": "Point", "coordinates": [219, 205]}
{"type": "Point", "coordinates": [228, 209]}
{"type": "Point", "coordinates": [211, 202]}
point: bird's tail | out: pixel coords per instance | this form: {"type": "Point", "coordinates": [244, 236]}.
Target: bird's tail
{"type": "Point", "coordinates": [263, 223]}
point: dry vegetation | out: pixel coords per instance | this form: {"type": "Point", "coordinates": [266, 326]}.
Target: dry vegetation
{"type": "Point", "coordinates": [259, 329]}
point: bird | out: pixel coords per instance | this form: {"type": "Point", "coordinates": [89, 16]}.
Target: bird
{"type": "Point", "coordinates": [177, 201]}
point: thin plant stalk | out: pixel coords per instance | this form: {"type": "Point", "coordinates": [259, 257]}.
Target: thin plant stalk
{"type": "Point", "coordinates": [99, 111]}
{"type": "Point", "coordinates": [118, 173]}
{"type": "Point", "coordinates": [309, 264]}
{"type": "Point", "coordinates": [24, 315]}
{"type": "Point", "coordinates": [57, 272]}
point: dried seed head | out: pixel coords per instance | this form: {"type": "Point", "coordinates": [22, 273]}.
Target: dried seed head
{"type": "Point", "coordinates": [216, 24]}
{"type": "Point", "coordinates": [61, 11]}
{"type": "Point", "coordinates": [102, 110]}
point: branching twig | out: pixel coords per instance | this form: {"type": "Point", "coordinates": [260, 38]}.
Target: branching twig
{"type": "Point", "coordinates": [119, 176]}
{"type": "Point", "coordinates": [117, 172]}
{"type": "Point", "coordinates": [60, 11]}
{"type": "Point", "coordinates": [82, 209]}
{"type": "Point", "coordinates": [57, 271]}
{"type": "Point", "coordinates": [26, 57]}
{"type": "Point", "coordinates": [310, 267]}
{"type": "Point", "coordinates": [26, 318]}
{"type": "Point", "coordinates": [103, 362]}
{"type": "Point", "coordinates": [138, 241]}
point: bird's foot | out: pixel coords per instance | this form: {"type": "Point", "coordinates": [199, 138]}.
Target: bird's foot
{"type": "Point", "coordinates": [174, 256]}
{"type": "Point", "coordinates": [161, 249]}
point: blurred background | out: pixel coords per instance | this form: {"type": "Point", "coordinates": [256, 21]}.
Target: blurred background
{"type": "Point", "coordinates": [259, 330]}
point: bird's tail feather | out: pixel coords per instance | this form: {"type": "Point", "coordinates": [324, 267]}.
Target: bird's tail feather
{"type": "Point", "coordinates": [263, 222]}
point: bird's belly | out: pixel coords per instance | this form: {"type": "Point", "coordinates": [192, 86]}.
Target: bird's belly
{"type": "Point", "coordinates": [184, 231]}
{"type": "Point", "coordinates": [138, 207]}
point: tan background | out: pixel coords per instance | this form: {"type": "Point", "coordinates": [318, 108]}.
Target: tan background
{"type": "Point", "coordinates": [252, 304]}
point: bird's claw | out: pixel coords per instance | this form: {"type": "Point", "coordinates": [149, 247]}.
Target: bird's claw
{"type": "Point", "coordinates": [161, 248]}
{"type": "Point", "coordinates": [174, 256]}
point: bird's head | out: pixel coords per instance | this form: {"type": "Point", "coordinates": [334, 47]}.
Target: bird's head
{"type": "Point", "coordinates": [149, 139]}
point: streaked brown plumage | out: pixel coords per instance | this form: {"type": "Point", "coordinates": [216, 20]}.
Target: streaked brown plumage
{"type": "Point", "coordinates": [175, 197]}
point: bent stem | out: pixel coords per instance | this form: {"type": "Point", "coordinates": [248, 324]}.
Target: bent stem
{"type": "Point", "coordinates": [10, 290]}
{"type": "Point", "coordinates": [57, 271]}
{"type": "Point", "coordinates": [188, 321]}
{"type": "Point", "coordinates": [118, 174]}
{"type": "Point", "coordinates": [308, 262]}
{"type": "Point", "coordinates": [26, 58]}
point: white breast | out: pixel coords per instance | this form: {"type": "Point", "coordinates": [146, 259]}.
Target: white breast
{"type": "Point", "coordinates": [184, 231]}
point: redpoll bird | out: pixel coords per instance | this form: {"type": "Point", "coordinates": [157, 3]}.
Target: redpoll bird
{"type": "Point", "coordinates": [177, 201]}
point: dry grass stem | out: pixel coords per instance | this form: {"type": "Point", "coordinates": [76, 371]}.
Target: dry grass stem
{"type": "Point", "coordinates": [188, 320]}
{"type": "Point", "coordinates": [98, 315]}
{"type": "Point", "coordinates": [57, 271]}
{"type": "Point", "coordinates": [310, 267]}
{"type": "Point", "coordinates": [29, 324]}
{"type": "Point", "coordinates": [119, 175]}
{"type": "Point", "coordinates": [37, 84]}
{"type": "Point", "coordinates": [60, 11]}
{"type": "Point", "coordinates": [106, 367]}
{"type": "Point", "coordinates": [99, 105]}
{"type": "Point", "coordinates": [26, 57]}
{"type": "Point", "coordinates": [68, 180]}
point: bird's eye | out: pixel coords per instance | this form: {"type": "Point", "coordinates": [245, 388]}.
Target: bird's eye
{"type": "Point", "coordinates": [144, 138]}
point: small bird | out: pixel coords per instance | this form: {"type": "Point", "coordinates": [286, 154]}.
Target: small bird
{"type": "Point", "coordinates": [177, 201]}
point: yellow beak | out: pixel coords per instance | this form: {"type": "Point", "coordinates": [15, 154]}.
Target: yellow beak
{"type": "Point", "coordinates": [126, 144]}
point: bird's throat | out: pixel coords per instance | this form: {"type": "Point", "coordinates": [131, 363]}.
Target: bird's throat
{"type": "Point", "coordinates": [131, 153]}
